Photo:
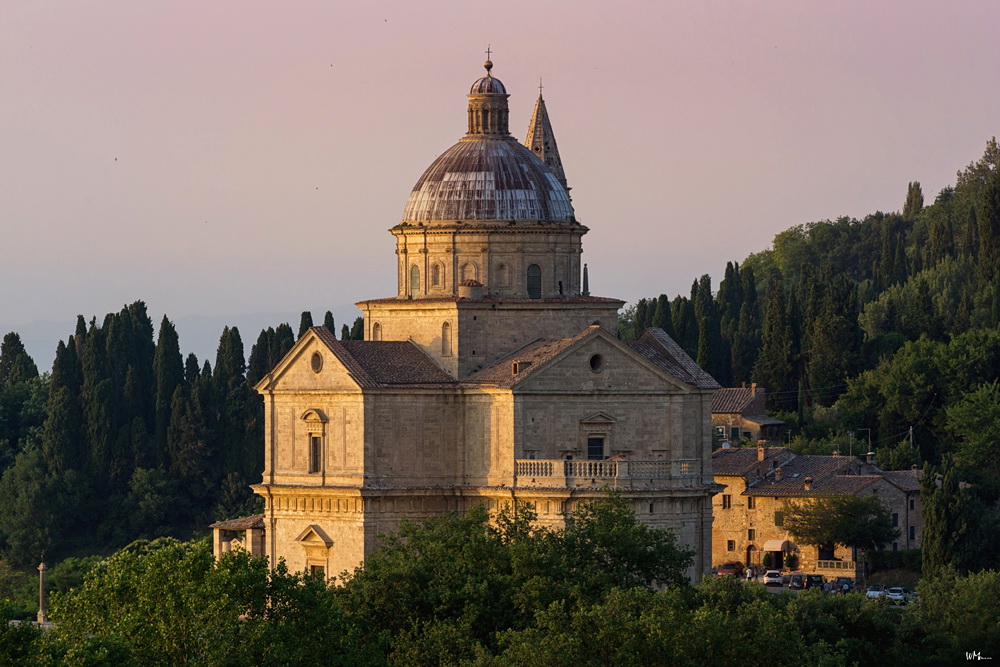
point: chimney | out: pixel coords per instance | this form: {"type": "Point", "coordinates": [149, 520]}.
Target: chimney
{"type": "Point", "coordinates": [870, 458]}
{"type": "Point", "coordinates": [808, 484]}
{"type": "Point", "coordinates": [777, 474]}
{"type": "Point", "coordinates": [753, 388]}
{"type": "Point", "coordinates": [761, 452]}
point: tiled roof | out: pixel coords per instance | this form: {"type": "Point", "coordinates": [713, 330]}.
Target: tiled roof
{"type": "Point", "coordinates": [501, 372]}
{"type": "Point", "coordinates": [835, 485]}
{"type": "Point", "coordinates": [907, 480]}
{"type": "Point", "coordinates": [795, 471]}
{"type": "Point", "coordinates": [385, 363]}
{"type": "Point", "coordinates": [662, 350]}
{"type": "Point", "coordinates": [242, 523]}
{"type": "Point", "coordinates": [732, 400]}
{"type": "Point", "coordinates": [738, 460]}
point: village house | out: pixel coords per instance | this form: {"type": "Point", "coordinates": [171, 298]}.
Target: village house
{"type": "Point", "coordinates": [760, 481]}
{"type": "Point", "coordinates": [738, 415]}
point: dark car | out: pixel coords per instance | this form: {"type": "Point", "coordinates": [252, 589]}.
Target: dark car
{"type": "Point", "coordinates": [734, 568]}
{"type": "Point", "coordinates": [813, 581]}
{"type": "Point", "coordinates": [843, 585]}
{"type": "Point", "coordinates": [797, 581]}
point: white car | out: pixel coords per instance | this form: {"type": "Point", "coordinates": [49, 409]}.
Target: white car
{"type": "Point", "coordinates": [896, 595]}
{"type": "Point", "coordinates": [876, 591]}
{"type": "Point", "coordinates": [772, 578]}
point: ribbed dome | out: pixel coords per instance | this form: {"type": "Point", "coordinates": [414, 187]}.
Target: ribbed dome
{"type": "Point", "coordinates": [488, 86]}
{"type": "Point", "coordinates": [491, 178]}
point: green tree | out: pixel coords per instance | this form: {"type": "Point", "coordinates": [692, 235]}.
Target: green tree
{"type": "Point", "coordinates": [16, 364]}
{"type": "Point", "coordinates": [305, 323]}
{"type": "Point", "coordinates": [914, 201]}
{"type": "Point", "coordinates": [859, 522]}
{"type": "Point", "coordinates": [168, 371]}
{"type": "Point", "coordinates": [328, 322]}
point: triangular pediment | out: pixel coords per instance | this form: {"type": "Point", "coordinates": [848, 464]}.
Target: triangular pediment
{"type": "Point", "coordinates": [316, 361]}
{"type": "Point", "coordinates": [313, 536]}
{"type": "Point", "coordinates": [598, 418]}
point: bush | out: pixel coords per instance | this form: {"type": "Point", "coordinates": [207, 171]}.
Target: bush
{"type": "Point", "coordinates": [905, 559]}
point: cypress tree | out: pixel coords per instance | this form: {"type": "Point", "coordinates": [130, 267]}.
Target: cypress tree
{"type": "Point", "coordinates": [914, 201]}
{"type": "Point", "coordinates": [773, 368]}
{"type": "Point", "coordinates": [661, 316]}
{"type": "Point", "coordinates": [283, 342]}
{"type": "Point", "coordinates": [345, 333]}
{"type": "Point", "coordinates": [358, 330]}
{"type": "Point", "coordinates": [261, 357]}
{"type": "Point", "coordinates": [305, 322]}
{"type": "Point", "coordinates": [168, 370]}
{"type": "Point", "coordinates": [641, 306]}
{"type": "Point", "coordinates": [16, 365]}
{"type": "Point", "coordinates": [988, 220]}
{"type": "Point", "coordinates": [329, 323]}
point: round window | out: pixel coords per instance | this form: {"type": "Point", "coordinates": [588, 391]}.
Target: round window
{"type": "Point", "coordinates": [317, 362]}
{"type": "Point", "coordinates": [596, 363]}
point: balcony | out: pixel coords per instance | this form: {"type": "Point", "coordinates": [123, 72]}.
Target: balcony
{"type": "Point", "coordinates": [547, 473]}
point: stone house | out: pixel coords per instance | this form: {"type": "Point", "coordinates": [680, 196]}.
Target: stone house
{"type": "Point", "coordinates": [738, 414]}
{"type": "Point", "coordinates": [760, 481]}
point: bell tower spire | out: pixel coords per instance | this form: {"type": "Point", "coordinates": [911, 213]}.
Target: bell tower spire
{"type": "Point", "coordinates": [542, 141]}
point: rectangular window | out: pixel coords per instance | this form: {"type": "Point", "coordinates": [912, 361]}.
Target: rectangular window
{"type": "Point", "coordinates": [595, 449]}
{"type": "Point", "coordinates": [779, 518]}
{"type": "Point", "coordinates": [911, 503]}
{"type": "Point", "coordinates": [727, 502]}
{"type": "Point", "coordinates": [751, 503]}
{"type": "Point", "coordinates": [913, 532]}
{"type": "Point", "coordinates": [730, 545]}
{"type": "Point", "coordinates": [751, 534]}
{"type": "Point", "coordinates": [895, 520]}
{"type": "Point", "coordinates": [895, 546]}
{"type": "Point", "coordinates": [734, 432]}
{"type": "Point", "coordinates": [314, 452]}
{"type": "Point", "coordinates": [317, 570]}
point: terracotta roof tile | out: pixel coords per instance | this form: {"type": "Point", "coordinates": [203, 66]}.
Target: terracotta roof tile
{"type": "Point", "coordinates": [732, 400]}
{"type": "Point", "coordinates": [662, 350]}
{"type": "Point", "coordinates": [384, 363]}
{"type": "Point", "coordinates": [242, 523]}
{"type": "Point", "coordinates": [501, 372]}
{"type": "Point", "coordinates": [907, 480]}
{"type": "Point", "coordinates": [739, 460]}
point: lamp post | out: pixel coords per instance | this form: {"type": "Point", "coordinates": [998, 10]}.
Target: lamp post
{"type": "Point", "coordinates": [41, 593]}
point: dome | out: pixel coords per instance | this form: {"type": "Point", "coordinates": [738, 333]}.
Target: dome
{"type": "Point", "coordinates": [488, 178]}
{"type": "Point", "coordinates": [488, 86]}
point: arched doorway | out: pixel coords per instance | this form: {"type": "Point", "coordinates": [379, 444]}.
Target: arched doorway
{"type": "Point", "coordinates": [753, 558]}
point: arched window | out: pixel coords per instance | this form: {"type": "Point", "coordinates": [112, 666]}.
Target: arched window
{"type": "Point", "coordinates": [376, 331]}
{"type": "Point", "coordinates": [534, 282]}
{"type": "Point", "coordinates": [436, 275]}
{"type": "Point", "coordinates": [469, 272]}
{"type": "Point", "coordinates": [414, 280]}
{"type": "Point", "coordinates": [446, 339]}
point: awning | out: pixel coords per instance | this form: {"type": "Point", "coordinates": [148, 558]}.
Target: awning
{"type": "Point", "coordinates": [778, 545]}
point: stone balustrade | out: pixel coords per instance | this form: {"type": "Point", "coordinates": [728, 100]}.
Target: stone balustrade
{"type": "Point", "coordinates": [548, 473]}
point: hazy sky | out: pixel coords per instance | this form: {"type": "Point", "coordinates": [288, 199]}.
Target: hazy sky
{"type": "Point", "coordinates": [247, 158]}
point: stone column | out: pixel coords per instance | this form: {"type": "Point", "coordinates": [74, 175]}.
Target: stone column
{"type": "Point", "coordinates": [41, 593]}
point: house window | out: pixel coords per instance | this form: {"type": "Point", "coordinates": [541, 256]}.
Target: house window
{"type": "Point", "coordinates": [913, 532]}
{"type": "Point", "coordinates": [534, 282]}
{"type": "Point", "coordinates": [751, 534]}
{"type": "Point", "coordinates": [730, 545]}
{"type": "Point", "coordinates": [895, 520]}
{"type": "Point", "coordinates": [734, 432]}
{"type": "Point", "coordinates": [895, 546]}
{"type": "Point", "coordinates": [911, 503]}
{"type": "Point", "coordinates": [314, 452]}
{"type": "Point", "coordinates": [751, 504]}
{"type": "Point", "coordinates": [779, 519]}
{"type": "Point", "coordinates": [595, 449]}
{"type": "Point", "coordinates": [317, 571]}
{"type": "Point", "coordinates": [727, 502]}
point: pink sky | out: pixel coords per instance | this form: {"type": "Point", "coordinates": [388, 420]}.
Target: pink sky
{"type": "Point", "coordinates": [234, 158]}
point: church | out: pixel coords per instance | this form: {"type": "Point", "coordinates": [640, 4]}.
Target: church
{"type": "Point", "coordinates": [491, 376]}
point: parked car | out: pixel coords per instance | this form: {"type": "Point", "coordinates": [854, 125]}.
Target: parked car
{"type": "Point", "coordinates": [896, 595]}
{"type": "Point", "coordinates": [797, 581]}
{"type": "Point", "coordinates": [772, 578]}
{"type": "Point", "coordinates": [876, 591]}
{"type": "Point", "coordinates": [813, 581]}
{"type": "Point", "coordinates": [734, 568]}
{"type": "Point", "coordinates": [843, 585]}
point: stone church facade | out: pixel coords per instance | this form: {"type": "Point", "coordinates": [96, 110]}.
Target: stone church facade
{"type": "Point", "coordinates": [492, 376]}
